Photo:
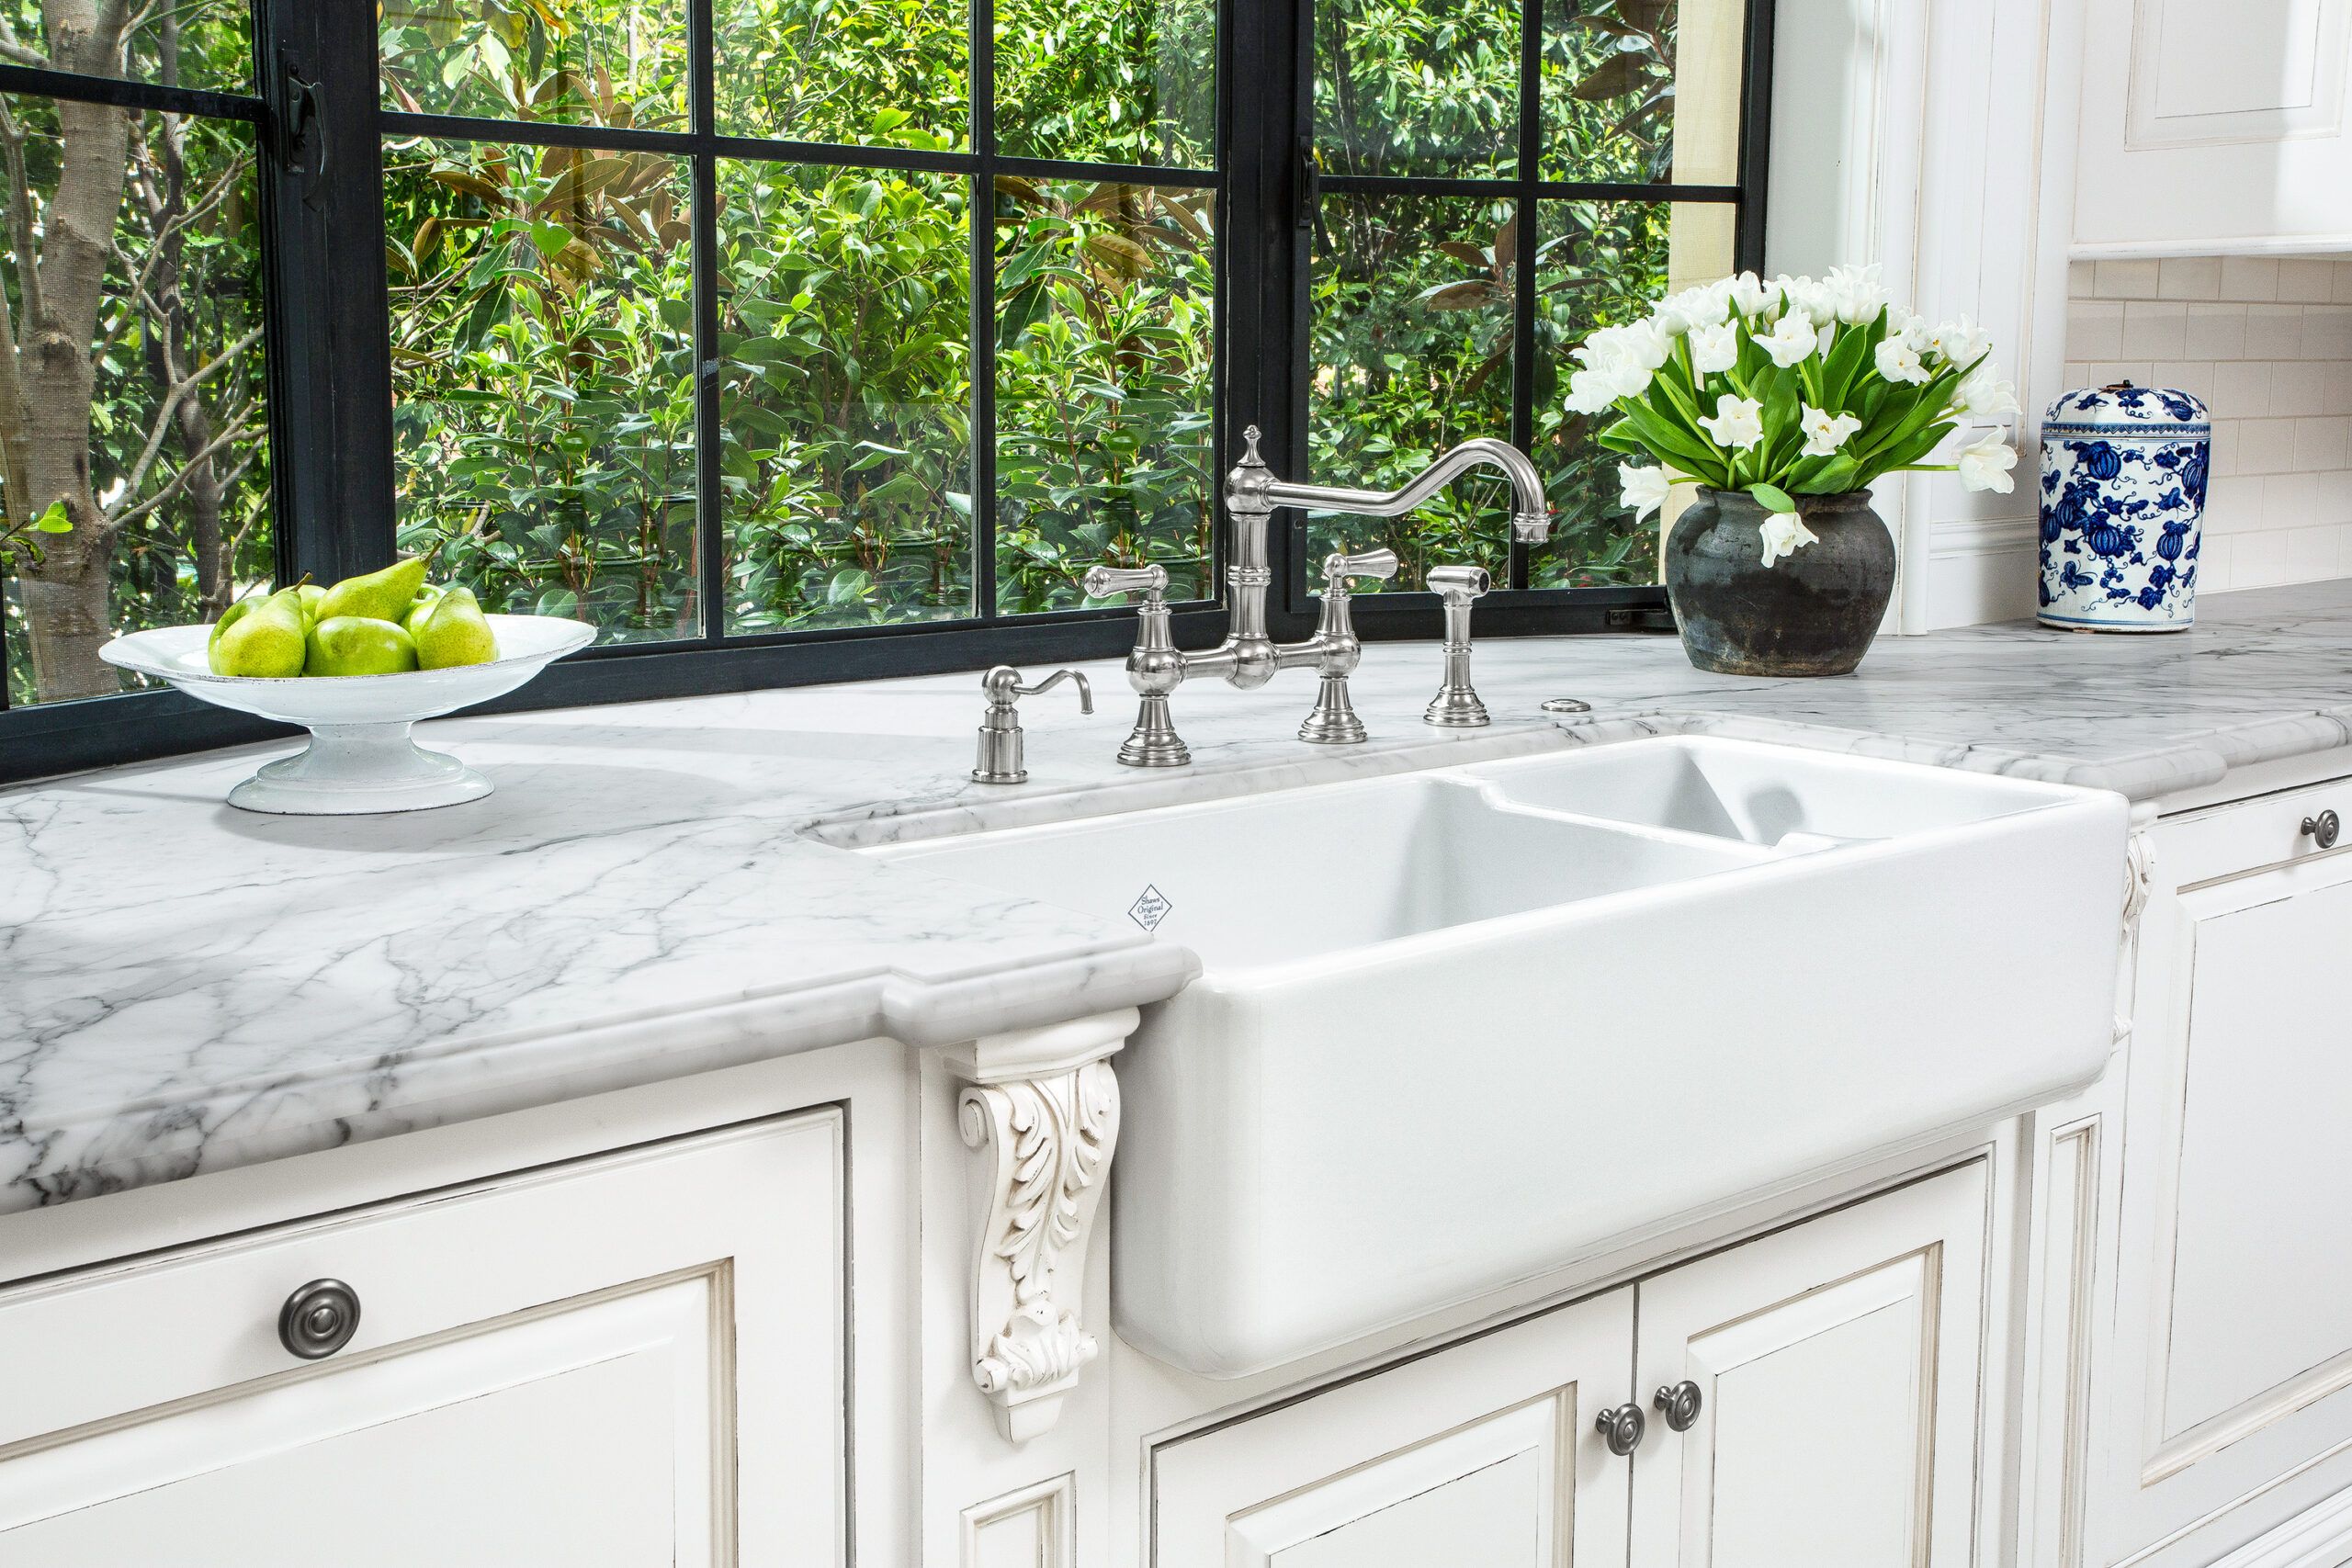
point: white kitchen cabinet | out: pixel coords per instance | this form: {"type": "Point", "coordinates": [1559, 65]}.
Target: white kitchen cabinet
{"type": "Point", "coordinates": [2214, 128]}
{"type": "Point", "coordinates": [1479, 1456]}
{"type": "Point", "coordinates": [2227, 1380]}
{"type": "Point", "coordinates": [627, 1360]}
{"type": "Point", "coordinates": [1836, 1366]}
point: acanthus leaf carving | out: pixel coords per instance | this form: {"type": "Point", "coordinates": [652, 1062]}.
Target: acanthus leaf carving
{"type": "Point", "coordinates": [1053, 1136]}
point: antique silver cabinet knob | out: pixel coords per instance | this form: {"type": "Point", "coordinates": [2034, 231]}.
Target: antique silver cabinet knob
{"type": "Point", "coordinates": [999, 760]}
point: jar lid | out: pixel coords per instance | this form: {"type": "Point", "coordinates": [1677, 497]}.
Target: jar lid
{"type": "Point", "coordinates": [2126, 409]}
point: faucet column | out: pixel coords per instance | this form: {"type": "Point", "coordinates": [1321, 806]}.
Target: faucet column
{"type": "Point", "coordinates": [1154, 667]}
{"type": "Point", "coordinates": [1334, 722]}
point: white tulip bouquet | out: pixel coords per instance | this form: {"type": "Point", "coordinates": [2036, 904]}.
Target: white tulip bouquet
{"type": "Point", "coordinates": [1793, 387]}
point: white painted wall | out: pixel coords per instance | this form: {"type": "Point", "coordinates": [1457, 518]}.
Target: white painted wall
{"type": "Point", "coordinates": [1937, 138]}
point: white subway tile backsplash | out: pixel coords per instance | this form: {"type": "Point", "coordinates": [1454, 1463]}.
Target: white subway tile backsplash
{"type": "Point", "coordinates": [2241, 389]}
{"type": "Point", "coordinates": [2226, 448]}
{"type": "Point", "coordinates": [2129, 279]}
{"type": "Point", "coordinates": [2322, 443]}
{"type": "Point", "coordinates": [2213, 565]}
{"type": "Point", "coordinates": [2259, 561]}
{"type": "Point", "coordinates": [2315, 553]}
{"type": "Point", "coordinates": [2267, 343]}
{"type": "Point", "coordinates": [2190, 277]}
{"type": "Point", "coordinates": [2333, 500]}
{"type": "Point", "coordinates": [2247, 277]}
{"type": "Point", "coordinates": [2274, 331]}
{"type": "Point", "coordinates": [2215, 332]}
{"type": "Point", "coordinates": [2267, 445]}
{"type": "Point", "coordinates": [2289, 500]}
{"type": "Point", "coordinates": [2094, 329]}
{"type": "Point", "coordinates": [2300, 385]}
{"type": "Point", "coordinates": [2233, 505]}
{"type": "Point", "coordinates": [2313, 281]}
{"type": "Point", "coordinates": [2155, 329]}
{"type": "Point", "coordinates": [2191, 376]}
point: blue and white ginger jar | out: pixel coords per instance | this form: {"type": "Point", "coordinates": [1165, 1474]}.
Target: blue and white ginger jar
{"type": "Point", "coordinates": [2124, 472]}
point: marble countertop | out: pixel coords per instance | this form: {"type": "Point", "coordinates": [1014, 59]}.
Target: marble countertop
{"type": "Point", "coordinates": [662, 888]}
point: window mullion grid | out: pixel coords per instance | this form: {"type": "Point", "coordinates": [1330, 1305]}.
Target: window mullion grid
{"type": "Point", "coordinates": [1523, 361]}
{"type": "Point", "coordinates": [711, 531]}
{"type": "Point", "coordinates": [981, 222]}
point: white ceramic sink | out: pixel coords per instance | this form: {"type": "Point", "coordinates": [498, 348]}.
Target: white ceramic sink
{"type": "Point", "coordinates": [1459, 1028]}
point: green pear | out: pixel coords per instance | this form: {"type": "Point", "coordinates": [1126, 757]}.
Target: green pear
{"type": "Point", "coordinates": [358, 645]}
{"type": "Point", "coordinates": [378, 595]}
{"type": "Point", "coordinates": [267, 641]}
{"type": "Point", "coordinates": [312, 594]}
{"type": "Point", "coordinates": [421, 606]}
{"type": "Point", "coordinates": [228, 618]}
{"type": "Point", "coordinates": [454, 631]}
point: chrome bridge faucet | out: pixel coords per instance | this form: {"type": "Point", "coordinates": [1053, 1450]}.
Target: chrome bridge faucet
{"type": "Point", "coordinates": [1249, 656]}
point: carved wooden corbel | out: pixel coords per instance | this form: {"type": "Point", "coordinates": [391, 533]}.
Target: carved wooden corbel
{"type": "Point", "coordinates": [1043, 1104]}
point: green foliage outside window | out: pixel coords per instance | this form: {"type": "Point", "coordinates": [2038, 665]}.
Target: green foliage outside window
{"type": "Point", "coordinates": [543, 308]}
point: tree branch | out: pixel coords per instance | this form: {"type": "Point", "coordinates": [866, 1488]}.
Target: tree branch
{"type": "Point", "coordinates": [180, 389]}
{"type": "Point", "coordinates": [238, 431]}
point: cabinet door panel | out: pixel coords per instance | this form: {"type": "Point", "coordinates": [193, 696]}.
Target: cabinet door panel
{"type": "Point", "coordinates": [2229, 1368]}
{"type": "Point", "coordinates": [571, 1365]}
{"type": "Point", "coordinates": [1837, 1366]}
{"type": "Point", "coordinates": [1479, 1456]}
{"type": "Point", "coordinates": [2262, 1264]}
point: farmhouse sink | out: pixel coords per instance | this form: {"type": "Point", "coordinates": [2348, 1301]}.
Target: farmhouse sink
{"type": "Point", "coordinates": [1460, 1028]}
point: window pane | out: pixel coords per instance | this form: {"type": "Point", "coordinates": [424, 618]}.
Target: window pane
{"type": "Point", "coordinates": [1105, 373]}
{"type": "Point", "coordinates": [190, 43]}
{"type": "Point", "coordinates": [169, 501]}
{"type": "Point", "coordinates": [878, 72]}
{"type": "Point", "coordinates": [1604, 264]}
{"type": "Point", "coordinates": [542, 386]}
{"type": "Point", "coordinates": [1417, 86]}
{"type": "Point", "coordinates": [1412, 353]}
{"type": "Point", "coordinates": [845, 332]}
{"type": "Point", "coordinates": [1109, 81]}
{"type": "Point", "coordinates": [579, 61]}
{"type": "Point", "coordinates": [1642, 90]}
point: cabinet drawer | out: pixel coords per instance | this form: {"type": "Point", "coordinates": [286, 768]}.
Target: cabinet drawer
{"type": "Point", "coordinates": [2248, 835]}
{"type": "Point", "coordinates": [565, 1343]}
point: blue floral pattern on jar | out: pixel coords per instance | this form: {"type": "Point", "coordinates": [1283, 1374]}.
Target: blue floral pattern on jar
{"type": "Point", "coordinates": [2123, 477]}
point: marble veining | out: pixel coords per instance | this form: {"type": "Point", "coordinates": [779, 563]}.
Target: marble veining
{"type": "Point", "coordinates": [662, 888]}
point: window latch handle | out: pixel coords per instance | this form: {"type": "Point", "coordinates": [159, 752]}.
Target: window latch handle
{"type": "Point", "coordinates": [306, 112]}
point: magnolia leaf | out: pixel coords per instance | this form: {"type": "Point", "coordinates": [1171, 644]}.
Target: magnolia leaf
{"type": "Point", "coordinates": [1623, 73]}
{"type": "Point", "coordinates": [1463, 251]}
{"type": "Point", "coordinates": [1456, 296]}
{"type": "Point", "coordinates": [56, 519]}
{"type": "Point", "coordinates": [1772, 496]}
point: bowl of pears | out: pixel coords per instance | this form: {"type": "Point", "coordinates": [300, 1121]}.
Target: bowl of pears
{"type": "Point", "coordinates": [356, 664]}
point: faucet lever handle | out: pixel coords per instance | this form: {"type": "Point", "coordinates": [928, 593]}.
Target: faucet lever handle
{"type": "Point", "coordinates": [1103, 582]}
{"type": "Point", "coordinates": [1339, 569]}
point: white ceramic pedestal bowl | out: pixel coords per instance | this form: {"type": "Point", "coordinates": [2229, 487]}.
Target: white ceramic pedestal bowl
{"type": "Point", "coordinates": [360, 759]}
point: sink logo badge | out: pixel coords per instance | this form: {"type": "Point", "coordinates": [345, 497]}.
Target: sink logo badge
{"type": "Point", "coordinates": [1149, 908]}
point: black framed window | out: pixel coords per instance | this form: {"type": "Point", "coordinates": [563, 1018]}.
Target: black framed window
{"type": "Point", "coordinates": [801, 340]}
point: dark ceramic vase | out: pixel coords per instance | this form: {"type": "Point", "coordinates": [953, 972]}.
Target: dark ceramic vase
{"type": "Point", "coordinates": [1812, 613]}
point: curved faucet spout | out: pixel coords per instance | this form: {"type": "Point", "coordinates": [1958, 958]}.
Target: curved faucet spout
{"type": "Point", "coordinates": [1251, 487]}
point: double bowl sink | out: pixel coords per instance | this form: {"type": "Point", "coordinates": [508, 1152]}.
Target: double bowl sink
{"type": "Point", "coordinates": [1456, 1029]}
